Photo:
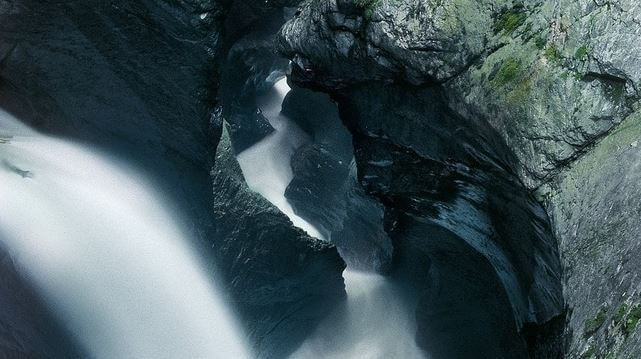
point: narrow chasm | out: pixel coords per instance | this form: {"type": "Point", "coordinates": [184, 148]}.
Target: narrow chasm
{"type": "Point", "coordinates": [294, 151]}
{"type": "Point", "coordinates": [439, 235]}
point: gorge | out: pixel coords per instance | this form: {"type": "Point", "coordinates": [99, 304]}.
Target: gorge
{"type": "Point", "coordinates": [320, 179]}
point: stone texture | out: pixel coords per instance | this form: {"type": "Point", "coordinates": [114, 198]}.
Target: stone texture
{"type": "Point", "coordinates": [139, 81]}
{"type": "Point", "coordinates": [516, 64]}
{"type": "Point", "coordinates": [596, 204]}
{"type": "Point", "coordinates": [551, 86]}
{"type": "Point", "coordinates": [458, 189]}
{"type": "Point", "coordinates": [325, 190]}
{"type": "Point", "coordinates": [283, 281]}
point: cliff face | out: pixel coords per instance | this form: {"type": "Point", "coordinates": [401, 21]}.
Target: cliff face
{"type": "Point", "coordinates": [285, 279]}
{"type": "Point", "coordinates": [27, 328]}
{"type": "Point", "coordinates": [463, 112]}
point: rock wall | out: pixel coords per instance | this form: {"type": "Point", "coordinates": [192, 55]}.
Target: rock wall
{"type": "Point", "coordinates": [547, 89]}
{"type": "Point", "coordinates": [285, 280]}
{"type": "Point", "coordinates": [139, 81]}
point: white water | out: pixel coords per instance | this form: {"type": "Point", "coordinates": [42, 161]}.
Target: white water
{"type": "Point", "coordinates": [106, 253]}
{"type": "Point", "coordinates": [266, 166]}
{"type": "Point", "coordinates": [375, 323]}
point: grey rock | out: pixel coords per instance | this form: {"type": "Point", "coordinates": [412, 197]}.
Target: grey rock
{"type": "Point", "coordinates": [407, 159]}
{"type": "Point", "coordinates": [325, 190]}
{"type": "Point", "coordinates": [283, 281]}
{"type": "Point", "coordinates": [596, 204]}
{"type": "Point", "coordinates": [337, 43]}
{"type": "Point", "coordinates": [556, 81]}
{"type": "Point", "coordinates": [135, 80]}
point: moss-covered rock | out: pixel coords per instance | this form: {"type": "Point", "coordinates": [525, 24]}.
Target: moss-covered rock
{"type": "Point", "coordinates": [593, 324]}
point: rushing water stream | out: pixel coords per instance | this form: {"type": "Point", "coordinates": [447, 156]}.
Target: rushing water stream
{"type": "Point", "coordinates": [375, 324]}
{"type": "Point", "coordinates": [266, 165]}
{"type": "Point", "coordinates": [106, 253]}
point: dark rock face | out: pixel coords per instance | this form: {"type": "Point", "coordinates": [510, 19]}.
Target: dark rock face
{"type": "Point", "coordinates": [436, 173]}
{"type": "Point", "coordinates": [251, 68]}
{"type": "Point", "coordinates": [325, 190]}
{"type": "Point", "coordinates": [556, 82]}
{"type": "Point", "coordinates": [458, 189]}
{"type": "Point", "coordinates": [462, 308]}
{"type": "Point", "coordinates": [135, 79]}
{"type": "Point", "coordinates": [27, 328]}
{"type": "Point", "coordinates": [285, 280]}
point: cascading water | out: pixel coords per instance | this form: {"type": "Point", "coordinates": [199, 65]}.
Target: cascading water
{"type": "Point", "coordinates": [106, 253]}
{"type": "Point", "coordinates": [266, 165]}
{"type": "Point", "coordinates": [375, 324]}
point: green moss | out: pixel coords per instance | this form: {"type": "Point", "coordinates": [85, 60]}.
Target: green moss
{"type": "Point", "coordinates": [369, 6]}
{"type": "Point", "coordinates": [632, 320]}
{"type": "Point", "coordinates": [521, 90]}
{"type": "Point", "coordinates": [592, 325]}
{"type": "Point", "coordinates": [510, 19]}
{"type": "Point", "coordinates": [589, 352]}
{"type": "Point", "coordinates": [418, 10]}
{"type": "Point", "coordinates": [618, 316]}
{"type": "Point", "coordinates": [540, 42]}
{"type": "Point", "coordinates": [581, 53]}
{"type": "Point", "coordinates": [509, 70]}
{"type": "Point", "coordinates": [366, 3]}
{"type": "Point", "coordinates": [552, 54]}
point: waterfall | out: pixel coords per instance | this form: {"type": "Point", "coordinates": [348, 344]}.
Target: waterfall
{"type": "Point", "coordinates": [375, 324]}
{"type": "Point", "coordinates": [106, 253]}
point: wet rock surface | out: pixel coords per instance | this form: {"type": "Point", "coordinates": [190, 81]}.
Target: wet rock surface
{"type": "Point", "coordinates": [325, 189]}
{"type": "Point", "coordinates": [251, 67]}
{"type": "Point", "coordinates": [136, 80]}
{"type": "Point", "coordinates": [557, 84]}
{"type": "Point", "coordinates": [282, 280]}
{"type": "Point", "coordinates": [460, 113]}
